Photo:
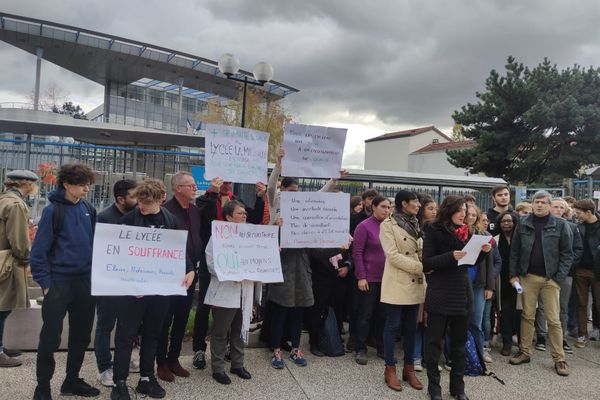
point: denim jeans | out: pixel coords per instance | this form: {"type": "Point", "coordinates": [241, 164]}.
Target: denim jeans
{"type": "Point", "coordinates": [294, 316]}
{"type": "Point", "coordinates": [477, 317]}
{"type": "Point", "coordinates": [419, 336]}
{"type": "Point", "coordinates": [3, 316]}
{"type": "Point", "coordinates": [106, 318]}
{"type": "Point", "coordinates": [487, 321]}
{"type": "Point", "coordinates": [400, 318]}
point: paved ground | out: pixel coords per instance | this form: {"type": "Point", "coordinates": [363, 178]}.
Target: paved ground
{"type": "Point", "coordinates": [330, 378]}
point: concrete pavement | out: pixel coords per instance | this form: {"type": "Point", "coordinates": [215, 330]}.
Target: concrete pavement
{"type": "Point", "coordinates": [331, 378]}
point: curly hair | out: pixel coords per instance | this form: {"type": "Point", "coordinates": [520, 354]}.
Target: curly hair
{"type": "Point", "coordinates": [75, 174]}
{"type": "Point", "coordinates": [150, 190]}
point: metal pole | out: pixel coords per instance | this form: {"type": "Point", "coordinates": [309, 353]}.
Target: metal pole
{"type": "Point", "coordinates": [107, 101]}
{"type": "Point", "coordinates": [244, 102]}
{"type": "Point", "coordinates": [134, 162]}
{"type": "Point", "coordinates": [38, 69]}
{"type": "Point", "coordinates": [180, 81]}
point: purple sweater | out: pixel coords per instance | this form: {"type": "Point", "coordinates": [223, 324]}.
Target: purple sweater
{"type": "Point", "coordinates": [369, 258]}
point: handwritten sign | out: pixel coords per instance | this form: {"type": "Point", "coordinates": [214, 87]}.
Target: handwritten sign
{"type": "Point", "coordinates": [246, 251]}
{"type": "Point", "coordinates": [313, 151]}
{"type": "Point", "coordinates": [315, 219]}
{"type": "Point", "coordinates": [137, 261]}
{"type": "Point", "coordinates": [236, 154]}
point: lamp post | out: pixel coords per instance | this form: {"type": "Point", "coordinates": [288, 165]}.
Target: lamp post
{"type": "Point", "coordinates": [229, 65]}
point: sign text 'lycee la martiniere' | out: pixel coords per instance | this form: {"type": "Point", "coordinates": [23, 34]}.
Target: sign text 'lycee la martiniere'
{"type": "Point", "coordinates": [314, 220]}
{"type": "Point", "coordinates": [131, 260]}
{"type": "Point", "coordinates": [246, 251]}
{"type": "Point", "coordinates": [236, 154]}
{"type": "Point", "coordinates": [313, 151]}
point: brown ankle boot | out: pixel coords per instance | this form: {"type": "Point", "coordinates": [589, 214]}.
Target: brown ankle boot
{"type": "Point", "coordinates": [391, 379]}
{"type": "Point", "coordinates": [408, 374]}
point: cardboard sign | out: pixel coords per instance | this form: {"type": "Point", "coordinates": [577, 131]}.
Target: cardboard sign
{"type": "Point", "coordinates": [314, 219]}
{"type": "Point", "coordinates": [246, 251]}
{"type": "Point", "coordinates": [313, 151]}
{"type": "Point", "coordinates": [236, 154]}
{"type": "Point", "coordinates": [138, 261]}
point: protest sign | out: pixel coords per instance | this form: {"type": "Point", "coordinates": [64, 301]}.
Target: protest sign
{"type": "Point", "coordinates": [314, 219]}
{"type": "Point", "coordinates": [313, 151]}
{"type": "Point", "coordinates": [138, 261]}
{"type": "Point", "coordinates": [246, 251]}
{"type": "Point", "coordinates": [198, 172]}
{"type": "Point", "coordinates": [236, 154]}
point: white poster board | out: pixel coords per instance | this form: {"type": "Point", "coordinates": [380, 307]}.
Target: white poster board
{"type": "Point", "coordinates": [314, 219]}
{"type": "Point", "coordinates": [313, 151]}
{"type": "Point", "coordinates": [138, 261]}
{"type": "Point", "coordinates": [236, 154]}
{"type": "Point", "coordinates": [246, 251]}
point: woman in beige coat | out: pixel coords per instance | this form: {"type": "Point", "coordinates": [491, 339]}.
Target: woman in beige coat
{"type": "Point", "coordinates": [403, 285]}
{"type": "Point", "coordinates": [14, 251]}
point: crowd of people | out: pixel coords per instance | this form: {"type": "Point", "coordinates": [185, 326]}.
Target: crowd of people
{"type": "Point", "coordinates": [399, 278]}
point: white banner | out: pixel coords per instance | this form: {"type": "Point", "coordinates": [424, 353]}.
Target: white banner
{"type": "Point", "coordinates": [246, 251]}
{"type": "Point", "coordinates": [313, 151]}
{"type": "Point", "coordinates": [314, 219]}
{"type": "Point", "coordinates": [236, 154]}
{"type": "Point", "coordinates": [137, 261]}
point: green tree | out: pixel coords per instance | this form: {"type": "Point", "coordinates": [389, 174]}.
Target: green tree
{"type": "Point", "coordinates": [531, 124]}
{"type": "Point", "coordinates": [68, 108]}
{"type": "Point", "coordinates": [261, 114]}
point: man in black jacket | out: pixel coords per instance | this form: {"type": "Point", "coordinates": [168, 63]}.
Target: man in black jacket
{"type": "Point", "coordinates": [501, 196]}
{"type": "Point", "coordinates": [588, 272]}
{"type": "Point", "coordinates": [210, 204]}
{"type": "Point", "coordinates": [188, 215]}
{"type": "Point", "coordinates": [133, 311]}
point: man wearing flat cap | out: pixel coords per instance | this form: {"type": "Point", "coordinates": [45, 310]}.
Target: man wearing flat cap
{"type": "Point", "coordinates": [14, 251]}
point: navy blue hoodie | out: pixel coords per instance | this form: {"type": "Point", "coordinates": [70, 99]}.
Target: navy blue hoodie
{"type": "Point", "coordinates": [71, 257]}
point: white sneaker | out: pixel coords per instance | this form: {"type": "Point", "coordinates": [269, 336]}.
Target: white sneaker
{"type": "Point", "coordinates": [106, 378]}
{"type": "Point", "coordinates": [134, 366]}
{"type": "Point", "coordinates": [595, 334]}
{"type": "Point", "coordinates": [487, 357]}
{"type": "Point", "coordinates": [418, 366]}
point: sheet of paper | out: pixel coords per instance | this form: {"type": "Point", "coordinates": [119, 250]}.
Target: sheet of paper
{"type": "Point", "coordinates": [473, 247]}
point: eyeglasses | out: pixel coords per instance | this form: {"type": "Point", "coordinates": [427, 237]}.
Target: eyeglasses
{"type": "Point", "coordinates": [506, 222]}
{"type": "Point", "coordinates": [192, 185]}
{"type": "Point", "coordinates": [240, 213]}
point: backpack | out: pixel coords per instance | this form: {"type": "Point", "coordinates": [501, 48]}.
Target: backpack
{"type": "Point", "coordinates": [475, 365]}
{"type": "Point", "coordinates": [58, 216]}
{"type": "Point", "coordinates": [330, 342]}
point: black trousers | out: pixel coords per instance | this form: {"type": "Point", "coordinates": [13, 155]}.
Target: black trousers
{"type": "Point", "coordinates": [324, 296]}
{"type": "Point", "coordinates": [369, 310]}
{"type": "Point", "coordinates": [176, 321]}
{"type": "Point", "coordinates": [202, 313]}
{"type": "Point", "coordinates": [149, 312]}
{"type": "Point", "coordinates": [73, 297]}
{"type": "Point", "coordinates": [434, 335]}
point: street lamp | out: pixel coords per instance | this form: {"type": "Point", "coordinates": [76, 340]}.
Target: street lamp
{"type": "Point", "coordinates": [229, 65]}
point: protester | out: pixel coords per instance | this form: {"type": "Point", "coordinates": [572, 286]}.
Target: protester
{"type": "Point", "coordinates": [231, 309]}
{"type": "Point", "coordinates": [501, 196]}
{"type": "Point", "coordinates": [61, 263]}
{"type": "Point", "coordinates": [14, 251]}
{"type": "Point", "coordinates": [106, 309]}
{"type": "Point", "coordinates": [356, 205]}
{"type": "Point", "coordinates": [426, 215]}
{"type": "Point", "coordinates": [449, 296]}
{"type": "Point", "coordinates": [558, 209]}
{"type": "Point", "coordinates": [487, 310]}
{"type": "Point", "coordinates": [149, 311]}
{"type": "Point", "coordinates": [483, 282]}
{"type": "Point", "coordinates": [587, 273]}
{"type": "Point", "coordinates": [367, 209]}
{"type": "Point", "coordinates": [506, 294]}
{"type": "Point", "coordinates": [402, 285]}
{"type": "Point", "coordinates": [210, 205]}
{"type": "Point", "coordinates": [369, 260]}
{"type": "Point", "coordinates": [540, 259]}
{"type": "Point", "coordinates": [188, 216]}
{"type": "Point", "coordinates": [524, 208]}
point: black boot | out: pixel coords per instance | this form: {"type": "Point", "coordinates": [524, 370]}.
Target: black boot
{"type": "Point", "coordinates": [120, 391]}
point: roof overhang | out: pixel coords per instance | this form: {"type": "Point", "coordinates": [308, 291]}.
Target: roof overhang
{"type": "Point", "coordinates": [101, 58]}
{"type": "Point", "coordinates": [43, 123]}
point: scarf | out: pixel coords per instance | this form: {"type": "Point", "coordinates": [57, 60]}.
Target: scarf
{"type": "Point", "coordinates": [247, 306]}
{"type": "Point", "coordinates": [219, 206]}
{"type": "Point", "coordinates": [462, 232]}
{"type": "Point", "coordinates": [409, 223]}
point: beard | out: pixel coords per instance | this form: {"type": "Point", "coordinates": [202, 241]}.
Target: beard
{"type": "Point", "coordinates": [129, 207]}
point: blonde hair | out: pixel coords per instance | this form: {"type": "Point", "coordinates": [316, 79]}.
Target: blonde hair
{"type": "Point", "coordinates": [28, 186]}
{"type": "Point", "coordinates": [150, 189]}
{"type": "Point", "coordinates": [478, 225]}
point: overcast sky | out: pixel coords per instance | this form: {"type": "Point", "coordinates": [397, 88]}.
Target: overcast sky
{"type": "Point", "coordinates": [370, 66]}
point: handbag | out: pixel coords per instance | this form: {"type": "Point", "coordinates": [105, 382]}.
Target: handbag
{"type": "Point", "coordinates": [7, 261]}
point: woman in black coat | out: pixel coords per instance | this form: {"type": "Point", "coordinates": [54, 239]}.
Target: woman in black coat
{"type": "Point", "coordinates": [448, 300]}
